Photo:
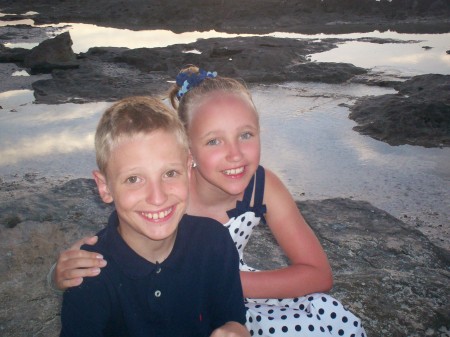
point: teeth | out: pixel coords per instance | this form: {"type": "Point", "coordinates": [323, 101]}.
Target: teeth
{"type": "Point", "coordinates": [234, 171]}
{"type": "Point", "coordinates": [157, 215]}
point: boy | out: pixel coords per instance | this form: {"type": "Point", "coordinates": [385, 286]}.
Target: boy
{"type": "Point", "coordinates": [168, 273]}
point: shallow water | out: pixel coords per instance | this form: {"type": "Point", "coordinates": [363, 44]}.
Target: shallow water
{"type": "Point", "coordinates": [306, 134]}
{"type": "Point", "coordinates": [308, 140]}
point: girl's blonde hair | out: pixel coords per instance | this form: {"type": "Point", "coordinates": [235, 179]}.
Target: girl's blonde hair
{"type": "Point", "coordinates": [196, 95]}
{"type": "Point", "coordinates": [130, 117]}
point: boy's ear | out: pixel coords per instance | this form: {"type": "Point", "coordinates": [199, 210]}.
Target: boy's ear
{"type": "Point", "coordinates": [102, 187]}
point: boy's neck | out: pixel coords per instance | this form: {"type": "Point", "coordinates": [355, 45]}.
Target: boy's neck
{"type": "Point", "coordinates": [151, 250]}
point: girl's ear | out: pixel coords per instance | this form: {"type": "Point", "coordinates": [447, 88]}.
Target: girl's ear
{"type": "Point", "coordinates": [102, 187]}
{"type": "Point", "coordinates": [189, 165]}
{"type": "Point", "coordinates": [191, 161]}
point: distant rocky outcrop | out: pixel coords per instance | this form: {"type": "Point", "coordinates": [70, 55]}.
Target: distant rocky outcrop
{"type": "Point", "coordinates": [105, 73]}
{"type": "Point", "coordinates": [390, 275]}
{"type": "Point", "coordinates": [419, 114]}
{"type": "Point", "coordinates": [263, 16]}
{"type": "Point", "coordinates": [55, 53]}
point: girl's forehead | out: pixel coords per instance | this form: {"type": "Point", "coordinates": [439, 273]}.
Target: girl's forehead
{"type": "Point", "coordinates": [225, 97]}
{"type": "Point", "coordinates": [225, 102]}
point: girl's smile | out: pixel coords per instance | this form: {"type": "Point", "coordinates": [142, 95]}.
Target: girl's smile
{"type": "Point", "coordinates": [225, 143]}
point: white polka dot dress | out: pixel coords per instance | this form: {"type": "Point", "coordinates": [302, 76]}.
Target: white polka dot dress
{"type": "Point", "coordinates": [312, 315]}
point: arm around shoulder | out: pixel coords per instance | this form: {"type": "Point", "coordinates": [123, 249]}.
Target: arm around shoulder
{"type": "Point", "coordinates": [74, 264]}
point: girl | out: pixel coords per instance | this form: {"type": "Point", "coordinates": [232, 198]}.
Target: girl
{"type": "Point", "coordinates": [229, 185]}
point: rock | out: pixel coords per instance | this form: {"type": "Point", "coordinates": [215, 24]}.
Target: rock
{"type": "Point", "coordinates": [263, 16]}
{"type": "Point", "coordinates": [113, 73]}
{"type": "Point", "coordinates": [55, 53]}
{"type": "Point", "coordinates": [419, 114]}
{"type": "Point", "coordinates": [391, 276]}
{"type": "Point", "coordinates": [381, 267]}
{"type": "Point", "coordinates": [12, 55]}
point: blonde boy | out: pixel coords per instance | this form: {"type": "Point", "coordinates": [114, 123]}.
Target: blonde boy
{"type": "Point", "coordinates": [168, 273]}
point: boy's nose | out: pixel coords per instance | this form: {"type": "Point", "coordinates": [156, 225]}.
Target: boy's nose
{"type": "Point", "coordinates": [156, 194]}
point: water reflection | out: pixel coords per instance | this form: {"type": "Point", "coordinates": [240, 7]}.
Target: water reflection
{"type": "Point", "coordinates": [32, 133]}
{"type": "Point", "coordinates": [408, 58]}
{"type": "Point", "coordinates": [44, 145]}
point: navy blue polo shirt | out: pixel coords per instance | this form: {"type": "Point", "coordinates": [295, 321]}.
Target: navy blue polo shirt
{"type": "Point", "coordinates": [191, 293]}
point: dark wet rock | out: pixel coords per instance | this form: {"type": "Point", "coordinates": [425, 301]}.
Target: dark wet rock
{"type": "Point", "coordinates": [391, 276]}
{"type": "Point", "coordinates": [383, 41]}
{"type": "Point", "coordinates": [112, 73]}
{"type": "Point", "coordinates": [55, 53]}
{"type": "Point", "coordinates": [263, 16]}
{"type": "Point", "coordinates": [325, 72]}
{"type": "Point", "coordinates": [419, 114]}
{"type": "Point", "coordinates": [381, 267]}
{"type": "Point", "coordinates": [12, 55]}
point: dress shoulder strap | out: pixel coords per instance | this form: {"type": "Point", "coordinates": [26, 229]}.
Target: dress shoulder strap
{"type": "Point", "coordinates": [259, 188]}
{"type": "Point", "coordinates": [258, 207]}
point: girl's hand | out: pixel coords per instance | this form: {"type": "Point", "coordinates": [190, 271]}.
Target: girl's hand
{"type": "Point", "coordinates": [74, 264]}
{"type": "Point", "coordinates": [231, 329]}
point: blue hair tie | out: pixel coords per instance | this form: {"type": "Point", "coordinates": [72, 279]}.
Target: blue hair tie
{"type": "Point", "coordinates": [187, 81]}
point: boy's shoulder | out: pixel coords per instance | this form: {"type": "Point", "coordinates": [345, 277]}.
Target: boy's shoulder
{"type": "Point", "coordinates": [203, 225]}
{"type": "Point", "coordinates": [100, 245]}
{"type": "Point", "coordinates": [204, 232]}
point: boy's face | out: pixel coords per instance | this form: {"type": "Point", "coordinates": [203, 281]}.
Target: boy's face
{"type": "Point", "coordinates": [147, 178]}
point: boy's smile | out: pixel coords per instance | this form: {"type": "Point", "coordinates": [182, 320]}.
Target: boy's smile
{"type": "Point", "coordinates": [147, 178]}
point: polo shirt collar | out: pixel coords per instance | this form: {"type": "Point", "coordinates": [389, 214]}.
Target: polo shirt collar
{"type": "Point", "coordinates": [131, 263]}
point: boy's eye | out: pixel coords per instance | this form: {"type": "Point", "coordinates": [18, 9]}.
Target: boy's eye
{"type": "Point", "coordinates": [171, 174]}
{"type": "Point", "coordinates": [213, 142]}
{"type": "Point", "coordinates": [132, 179]}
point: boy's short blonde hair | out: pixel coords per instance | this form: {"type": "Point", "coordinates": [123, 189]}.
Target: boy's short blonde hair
{"type": "Point", "coordinates": [134, 116]}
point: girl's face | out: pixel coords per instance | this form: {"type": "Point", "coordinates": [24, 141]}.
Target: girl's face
{"type": "Point", "coordinates": [225, 142]}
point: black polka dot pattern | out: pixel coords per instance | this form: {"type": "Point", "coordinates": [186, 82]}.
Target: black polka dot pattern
{"type": "Point", "coordinates": [308, 316]}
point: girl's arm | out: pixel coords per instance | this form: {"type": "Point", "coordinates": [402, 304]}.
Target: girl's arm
{"type": "Point", "coordinates": [309, 270]}
{"type": "Point", "coordinates": [74, 264]}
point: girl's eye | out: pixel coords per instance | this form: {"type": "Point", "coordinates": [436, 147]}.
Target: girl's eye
{"type": "Point", "coordinates": [246, 135]}
{"type": "Point", "coordinates": [132, 179]}
{"type": "Point", "coordinates": [213, 142]}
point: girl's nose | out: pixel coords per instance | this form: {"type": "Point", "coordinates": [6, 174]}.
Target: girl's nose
{"type": "Point", "coordinates": [234, 152]}
{"type": "Point", "coordinates": [156, 193]}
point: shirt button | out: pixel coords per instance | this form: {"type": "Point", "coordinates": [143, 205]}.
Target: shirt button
{"type": "Point", "coordinates": [158, 270]}
{"type": "Point", "coordinates": [157, 293]}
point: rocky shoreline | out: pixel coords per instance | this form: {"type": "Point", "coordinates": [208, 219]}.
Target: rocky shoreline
{"type": "Point", "coordinates": [392, 276]}
{"type": "Point", "coordinates": [389, 274]}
